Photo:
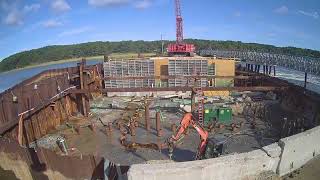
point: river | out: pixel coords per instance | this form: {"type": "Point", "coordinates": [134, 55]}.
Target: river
{"type": "Point", "coordinates": [9, 79]}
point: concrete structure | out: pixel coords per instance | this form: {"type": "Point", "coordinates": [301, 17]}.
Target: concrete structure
{"type": "Point", "coordinates": [298, 150]}
{"type": "Point", "coordinates": [282, 158]}
{"type": "Point", "coordinates": [157, 70]}
{"type": "Point", "coordinates": [236, 166]}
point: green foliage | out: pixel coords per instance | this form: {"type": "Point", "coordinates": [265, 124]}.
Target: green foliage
{"type": "Point", "coordinates": [60, 52]}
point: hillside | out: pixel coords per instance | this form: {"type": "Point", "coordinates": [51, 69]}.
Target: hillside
{"type": "Point", "coordinates": [59, 52]}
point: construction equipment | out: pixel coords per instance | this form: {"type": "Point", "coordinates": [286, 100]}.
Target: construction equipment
{"type": "Point", "coordinates": [180, 48]}
{"type": "Point", "coordinates": [206, 149]}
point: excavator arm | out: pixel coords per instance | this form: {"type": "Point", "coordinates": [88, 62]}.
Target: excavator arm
{"type": "Point", "coordinates": [186, 121]}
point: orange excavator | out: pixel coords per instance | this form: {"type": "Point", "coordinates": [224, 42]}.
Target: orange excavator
{"type": "Point", "coordinates": [186, 121]}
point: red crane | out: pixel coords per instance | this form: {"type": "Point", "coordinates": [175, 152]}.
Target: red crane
{"type": "Point", "coordinates": [180, 48]}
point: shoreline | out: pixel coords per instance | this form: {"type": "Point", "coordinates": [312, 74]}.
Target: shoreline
{"type": "Point", "coordinates": [89, 58]}
{"type": "Point", "coordinates": [54, 63]}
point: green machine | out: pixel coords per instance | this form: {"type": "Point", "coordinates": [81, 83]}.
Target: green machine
{"type": "Point", "coordinates": [223, 115]}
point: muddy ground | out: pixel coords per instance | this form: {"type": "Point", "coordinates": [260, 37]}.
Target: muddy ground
{"type": "Point", "coordinates": [246, 138]}
{"type": "Point", "coordinates": [310, 171]}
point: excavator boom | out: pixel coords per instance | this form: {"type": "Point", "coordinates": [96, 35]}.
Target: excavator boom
{"type": "Point", "coordinates": [186, 121]}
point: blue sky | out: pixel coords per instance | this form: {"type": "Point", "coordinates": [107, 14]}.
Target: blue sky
{"type": "Point", "coordinates": [29, 24]}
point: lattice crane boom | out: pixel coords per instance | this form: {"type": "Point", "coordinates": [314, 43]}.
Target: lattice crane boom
{"type": "Point", "coordinates": [179, 23]}
{"type": "Point", "coordinates": [180, 48]}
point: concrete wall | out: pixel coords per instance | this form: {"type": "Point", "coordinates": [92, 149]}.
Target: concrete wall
{"type": "Point", "coordinates": [237, 166]}
{"type": "Point", "coordinates": [282, 158]}
{"type": "Point", "coordinates": [298, 150]}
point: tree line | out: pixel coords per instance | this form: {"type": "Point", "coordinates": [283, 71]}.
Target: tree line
{"type": "Point", "coordinates": [60, 52]}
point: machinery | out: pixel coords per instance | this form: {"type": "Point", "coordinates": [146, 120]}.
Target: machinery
{"type": "Point", "coordinates": [207, 148]}
{"type": "Point", "coordinates": [180, 48]}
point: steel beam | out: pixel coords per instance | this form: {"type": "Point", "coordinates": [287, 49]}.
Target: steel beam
{"type": "Point", "coordinates": [256, 76]}
{"type": "Point", "coordinates": [186, 88]}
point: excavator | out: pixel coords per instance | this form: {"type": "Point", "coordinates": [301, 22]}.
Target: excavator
{"type": "Point", "coordinates": [206, 149]}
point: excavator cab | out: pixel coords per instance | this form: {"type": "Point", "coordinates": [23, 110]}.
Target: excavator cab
{"type": "Point", "coordinates": [214, 148]}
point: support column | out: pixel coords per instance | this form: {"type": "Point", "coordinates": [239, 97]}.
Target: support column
{"type": "Point", "coordinates": [158, 125]}
{"type": "Point", "coordinates": [83, 96]}
{"type": "Point", "coordinates": [147, 116]}
{"type": "Point", "coordinates": [267, 69]}
{"type": "Point", "coordinates": [270, 69]}
{"type": "Point", "coordinates": [305, 80]}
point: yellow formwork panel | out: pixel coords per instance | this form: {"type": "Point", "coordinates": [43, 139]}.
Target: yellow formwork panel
{"type": "Point", "coordinates": [223, 67]}
{"type": "Point", "coordinates": [216, 93]}
{"type": "Point", "coordinates": [158, 63]}
{"type": "Point", "coordinates": [160, 68]}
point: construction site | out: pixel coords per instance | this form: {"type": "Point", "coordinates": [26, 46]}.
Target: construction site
{"type": "Point", "coordinates": [175, 116]}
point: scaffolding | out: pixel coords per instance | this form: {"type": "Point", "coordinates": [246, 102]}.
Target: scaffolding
{"type": "Point", "coordinates": [129, 68]}
{"type": "Point", "coordinates": [187, 67]}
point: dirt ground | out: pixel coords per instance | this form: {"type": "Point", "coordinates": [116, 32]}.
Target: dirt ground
{"type": "Point", "coordinates": [7, 175]}
{"type": "Point", "coordinates": [310, 171]}
{"type": "Point", "coordinates": [98, 142]}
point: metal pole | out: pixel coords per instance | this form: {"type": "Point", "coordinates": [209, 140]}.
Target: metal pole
{"type": "Point", "coordinates": [270, 69]}
{"type": "Point", "coordinates": [84, 106]}
{"type": "Point", "coordinates": [158, 124]}
{"type": "Point", "coordinates": [267, 69]}
{"type": "Point", "coordinates": [305, 80]}
{"type": "Point", "coordinates": [147, 116]}
{"type": "Point", "coordinates": [162, 45]}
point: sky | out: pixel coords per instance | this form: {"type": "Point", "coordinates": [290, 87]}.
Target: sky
{"type": "Point", "coordinates": [30, 24]}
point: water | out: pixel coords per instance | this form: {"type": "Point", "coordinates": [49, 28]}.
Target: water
{"type": "Point", "coordinates": [9, 79]}
{"type": "Point", "coordinates": [297, 77]}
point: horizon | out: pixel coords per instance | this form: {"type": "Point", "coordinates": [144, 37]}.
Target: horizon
{"type": "Point", "coordinates": [152, 41]}
{"type": "Point", "coordinates": [33, 24]}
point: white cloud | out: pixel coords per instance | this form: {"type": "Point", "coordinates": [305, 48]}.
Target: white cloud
{"type": "Point", "coordinates": [51, 23]}
{"type": "Point", "coordinates": [314, 15]}
{"type": "Point", "coordinates": [13, 18]}
{"type": "Point", "coordinates": [60, 6]}
{"type": "Point", "coordinates": [32, 7]}
{"type": "Point", "coordinates": [282, 10]}
{"type": "Point", "coordinates": [15, 13]}
{"type": "Point", "coordinates": [143, 4]}
{"type": "Point", "coordinates": [73, 32]}
{"type": "Point", "coordinates": [106, 3]}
